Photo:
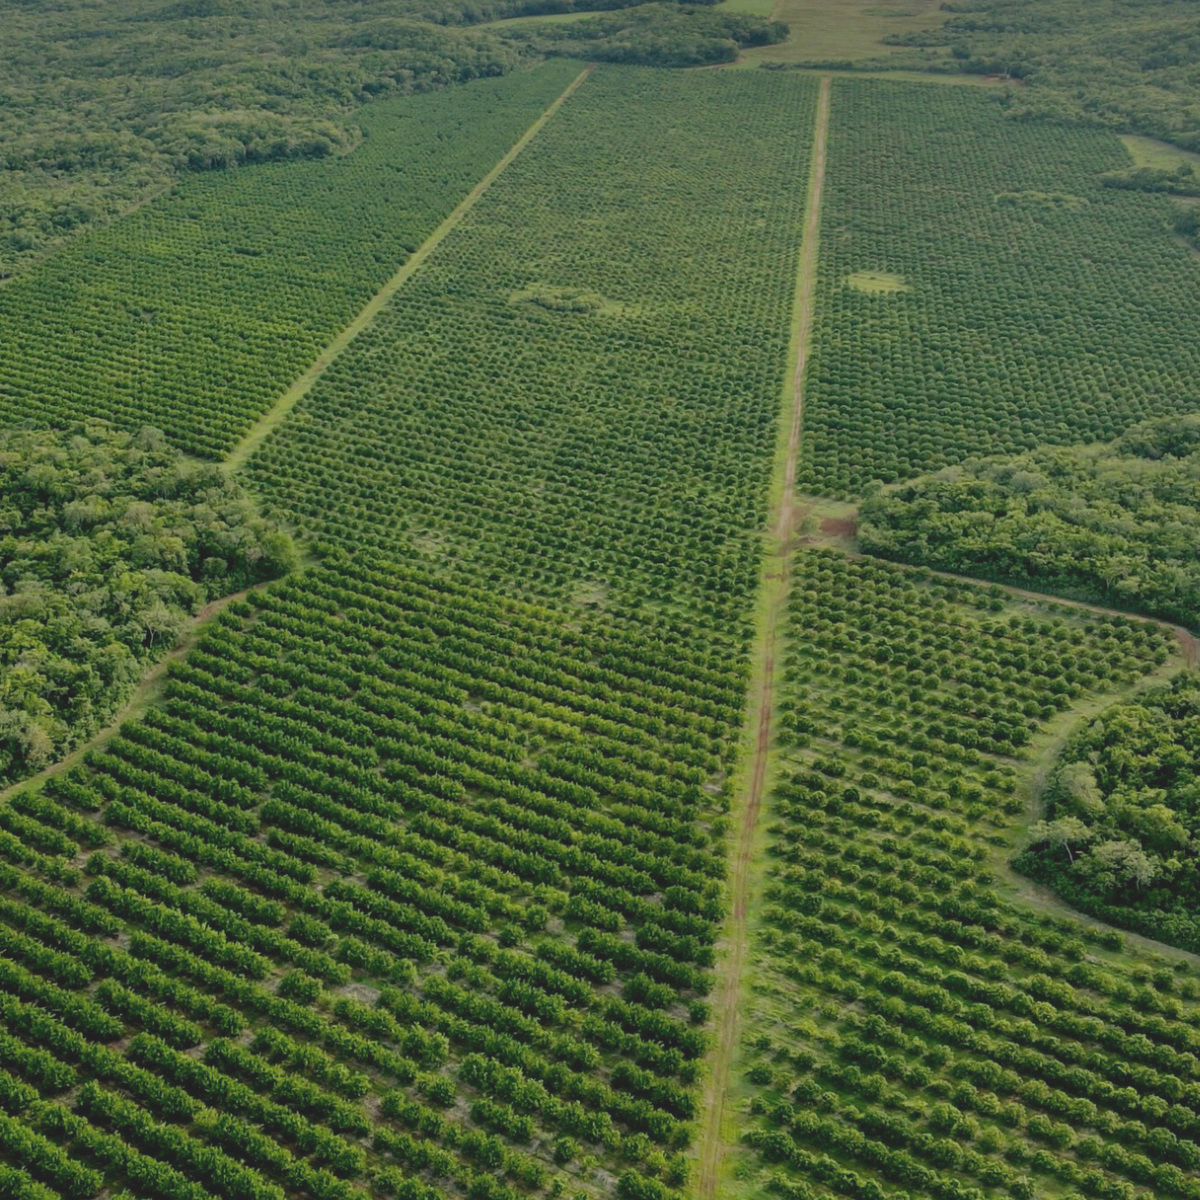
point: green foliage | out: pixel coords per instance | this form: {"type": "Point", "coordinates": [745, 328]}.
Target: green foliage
{"type": "Point", "coordinates": [456, 859]}
{"type": "Point", "coordinates": [410, 765]}
{"type": "Point", "coordinates": [108, 543]}
{"type": "Point", "coordinates": [1128, 784]}
{"type": "Point", "coordinates": [103, 106]}
{"type": "Point", "coordinates": [1109, 62]}
{"type": "Point", "coordinates": [1063, 317]}
{"type": "Point", "coordinates": [1117, 524]}
{"type": "Point", "coordinates": [910, 1028]}
{"type": "Point", "coordinates": [442, 822]}
{"type": "Point", "coordinates": [544, 377]}
{"type": "Point", "coordinates": [1181, 181]}
{"type": "Point", "coordinates": [658, 35]}
{"type": "Point", "coordinates": [194, 313]}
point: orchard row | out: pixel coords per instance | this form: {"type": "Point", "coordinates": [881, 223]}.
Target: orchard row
{"type": "Point", "coordinates": [399, 883]}
{"type": "Point", "coordinates": [912, 1029]}
{"type": "Point", "coordinates": [1027, 303]}
{"type": "Point", "coordinates": [577, 398]}
{"type": "Point", "coordinates": [195, 312]}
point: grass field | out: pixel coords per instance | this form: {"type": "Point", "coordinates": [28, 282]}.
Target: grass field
{"type": "Point", "coordinates": [1149, 152]}
{"type": "Point", "coordinates": [834, 32]}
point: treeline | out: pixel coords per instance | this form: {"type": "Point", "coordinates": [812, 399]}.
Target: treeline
{"type": "Point", "coordinates": [474, 12]}
{"type": "Point", "coordinates": [1116, 524]}
{"type": "Point", "coordinates": [1128, 67]}
{"type": "Point", "coordinates": [657, 35]}
{"type": "Point", "coordinates": [1122, 815]}
{"type": "Point", "coordinates": [99, 106]}
{"type": "Point", "coordinates": [108, 543]}
{"type": "Point", "coordinates": [103, 105]}
{"type": "Point", "coordinates": [1179, 182]}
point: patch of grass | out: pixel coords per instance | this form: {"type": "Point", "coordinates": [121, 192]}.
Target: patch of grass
{"type": "Point", "coordinates": [760, 8]}
{"type": "Point", "coordinates": [559, 299]}
{"type": "Point", "coordinates": [839, 31]}
{"type": "Point", "coordinates": [1159, 156]}
{"type": "Point", "coordinates": [540, 19]}
{"type": "Point", "coordinates": [877, 283]}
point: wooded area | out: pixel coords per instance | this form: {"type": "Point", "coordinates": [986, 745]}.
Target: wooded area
{"type": "Point", "coordinates": [1117, 523]}
{"type": "Point", "coordinates": [108, 543]}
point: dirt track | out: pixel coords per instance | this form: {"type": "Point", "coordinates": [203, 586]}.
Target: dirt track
{"type": "Point", "coordinates": [275, 415]}
{"type": "Point", "coordinates": [760, 711]}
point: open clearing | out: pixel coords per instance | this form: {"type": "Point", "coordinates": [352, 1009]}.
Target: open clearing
{"type": "Point", "coordinates": [833, 32]}
{"type": "Point", "coordinates": [876, 283]}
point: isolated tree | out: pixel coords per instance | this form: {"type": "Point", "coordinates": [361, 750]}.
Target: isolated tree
{"type": "Point", "coordinates": [1062, 834]}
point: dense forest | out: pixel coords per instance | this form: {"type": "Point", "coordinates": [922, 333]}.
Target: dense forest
{"type": "Point", "coordinates": [1130, 66]}
{"type": "Point", "coordinates": [1117, 523]}
{"type": "Point", "coordinates": [1122, 816]}
{"type": "Point", "coordinates": [108, 543]}
{"type": "Point", "coordinates": [100, 106]}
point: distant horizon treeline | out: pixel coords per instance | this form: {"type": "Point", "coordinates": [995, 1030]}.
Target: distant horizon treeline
{"type": "Point", "coordinates": [102, 105]}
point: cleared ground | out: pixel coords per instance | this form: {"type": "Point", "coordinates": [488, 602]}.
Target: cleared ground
{"type": "Point", "coordinates": [834, 32]}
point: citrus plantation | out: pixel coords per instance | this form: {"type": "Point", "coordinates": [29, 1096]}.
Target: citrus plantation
{"type": "Point", "coordinates": [566, 805]}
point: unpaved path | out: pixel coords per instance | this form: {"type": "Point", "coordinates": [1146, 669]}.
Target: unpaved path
{"type": "Point", "coordinates": [151, 684]}
{"type": "Point", "coordinates": [752, 780]}
{"type": "Point", "coordinates": [279, 410]}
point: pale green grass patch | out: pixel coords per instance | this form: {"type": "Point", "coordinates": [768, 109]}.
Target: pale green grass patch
{"type": "Point", "coordinates": [839, 31]}
{"type": "Point", "coordinates": [1159, 156]}
{"type": "Point", "coordinates": [877, 283]}
{"type": "Point", "coordinates": [559, 299]}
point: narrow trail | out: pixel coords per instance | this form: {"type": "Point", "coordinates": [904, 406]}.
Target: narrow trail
{"type": "Point", "coordinates": [1021, 890]}
{"type": "Point", "coordinates": [143, 696]}
{"type": "Point", "coordinates": [753, 779]}
{"type": "Point", "coordinates": [259, 432]}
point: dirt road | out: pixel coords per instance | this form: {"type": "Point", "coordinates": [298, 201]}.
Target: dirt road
{"type": "Point", "coordinates": [753, 779]}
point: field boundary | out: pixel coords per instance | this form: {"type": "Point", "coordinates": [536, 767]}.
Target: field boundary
{"type": "Point", "coordinates": [751, 781]}
{"type": "Point", "coordinates": [276, 414]}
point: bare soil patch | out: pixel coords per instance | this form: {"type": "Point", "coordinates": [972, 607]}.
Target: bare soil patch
{"type": "Point", "coordinates": [839, 526]}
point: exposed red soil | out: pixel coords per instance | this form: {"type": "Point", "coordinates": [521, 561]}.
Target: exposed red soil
{"type": "Point", "coordinates": [839, 526]}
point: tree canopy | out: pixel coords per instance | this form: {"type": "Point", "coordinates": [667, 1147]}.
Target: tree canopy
{"type": "Point", "coordinates": [1123, 814]}
{"type": "Point", "coordinates": [658, 35]}
{"type": "Point", "coordinates": [108, 543]}
{"type": "Point", "coordinates": [1109, 62]}
{"type": "Point", "coordinates": [1117, 523]}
